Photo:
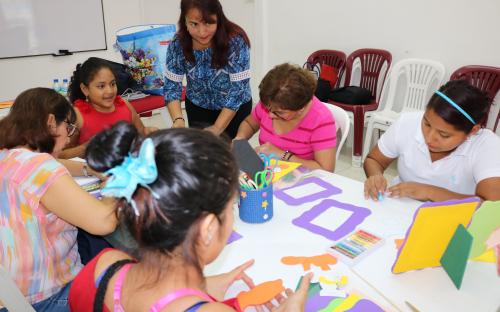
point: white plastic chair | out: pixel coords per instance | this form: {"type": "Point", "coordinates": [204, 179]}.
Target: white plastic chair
{"type": "Point", "coordinates": [421, 77]}
{"type": "Point", "coordinates": [10, 295]}
{"type": "Point", "coordinates": [342, 123]}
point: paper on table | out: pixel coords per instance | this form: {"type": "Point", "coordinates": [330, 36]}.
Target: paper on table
{"type": "Point", "coordinates": [454, 259]}
{"type": "Point", "coordinates": [428, 236]}
{"type": "Point", "coordinates": [485, 220]}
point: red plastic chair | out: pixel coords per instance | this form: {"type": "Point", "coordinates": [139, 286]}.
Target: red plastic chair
{"type": "Point", "coordinates": [334, 58]}
{"type": "Point", "coordinates": [496, 122]}
{"type": "Point", "coordinates": [372, 62]}
{"type": "Point", "coordinates": [486, 78]}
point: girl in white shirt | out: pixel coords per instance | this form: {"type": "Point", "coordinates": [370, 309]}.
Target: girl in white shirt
{"type": "Point", "coordinates": [443, 153]}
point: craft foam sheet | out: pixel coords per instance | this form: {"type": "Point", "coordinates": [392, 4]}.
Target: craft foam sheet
{"type": "Point", "coordinates": [454, 259]}
{"type": "Point", "coordinates": [484, 222]}
{"type": "Point", "coordinates": [283, 168]}
{"type": "Point", "coordinates": [313, 189]}
{"type": "Point", "coordinates": [432, 229]}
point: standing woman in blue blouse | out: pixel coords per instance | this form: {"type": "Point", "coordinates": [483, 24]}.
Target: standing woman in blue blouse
{"type": "Point", "coordinates": [214, 54]}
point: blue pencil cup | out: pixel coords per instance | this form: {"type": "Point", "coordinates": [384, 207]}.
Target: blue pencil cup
{"type": "Point", "coordinates": [256, 206]}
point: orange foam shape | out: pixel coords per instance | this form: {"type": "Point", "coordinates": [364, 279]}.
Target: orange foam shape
{"type": "Point", "coordinates": [399, 242]}
{"type": "Point", "coordinates": [260, 294]}
{"type": "Point", "coordinates": [323, 261]}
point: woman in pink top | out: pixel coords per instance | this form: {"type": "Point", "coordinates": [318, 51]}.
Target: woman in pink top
{"type": "Point", "coordinates": [177, 233]}
{"type": "Point", "coordinates": [293, 123]}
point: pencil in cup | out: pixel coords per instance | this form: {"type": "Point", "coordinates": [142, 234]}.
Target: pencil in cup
{"type": "Point", "coordinates": [256, 205]}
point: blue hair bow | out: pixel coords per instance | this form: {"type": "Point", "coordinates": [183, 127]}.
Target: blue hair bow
{"type": "Point", "coordinates": [133, 171]}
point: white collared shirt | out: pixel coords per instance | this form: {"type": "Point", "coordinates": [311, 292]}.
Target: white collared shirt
{"type": "Point", "coordinates": [476, 159]}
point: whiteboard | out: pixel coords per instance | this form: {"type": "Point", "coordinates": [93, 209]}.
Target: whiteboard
{"type": "Point", "coordinates": [41, 27]}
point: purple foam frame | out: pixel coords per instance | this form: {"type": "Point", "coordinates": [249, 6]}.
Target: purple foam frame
{"type": "Point", "coordinates": [327, 192]}
{"type": "Point", "coordinates": [233, 237]}
{"type": "Point", "coordinates": [305, 220]}
{"type": "Point", "coordinates": [430, 205]}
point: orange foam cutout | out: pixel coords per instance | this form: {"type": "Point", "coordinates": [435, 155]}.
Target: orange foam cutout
{"type": "Point", "coordinates": [398, 242]}
{"type": "Point", "coordinates": [260, 294]}
{"type": "Point", "coordinates": [323, 261]}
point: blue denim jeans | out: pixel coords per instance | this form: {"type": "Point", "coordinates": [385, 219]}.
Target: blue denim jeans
{"type": "Point", "coordinates": [57, 303]}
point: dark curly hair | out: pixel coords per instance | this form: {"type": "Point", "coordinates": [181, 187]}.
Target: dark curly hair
{"type": "Point", "coordinates": [197, 176]}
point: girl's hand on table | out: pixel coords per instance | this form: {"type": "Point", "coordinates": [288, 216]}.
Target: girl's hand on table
{"type": "Point", "coordinates": [375, 185]}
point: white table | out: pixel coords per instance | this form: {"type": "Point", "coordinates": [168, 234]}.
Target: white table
{"type": "Point", "coordinates": [428, 290]}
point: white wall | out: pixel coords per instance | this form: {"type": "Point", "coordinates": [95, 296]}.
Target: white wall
{"type": "Point", "coordinates": [455, 32]}
{"type": "Point", "coordinates": [18, 74]}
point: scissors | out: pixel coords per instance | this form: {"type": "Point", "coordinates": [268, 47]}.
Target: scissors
{"type": "Point", "coordinates": [264, 178]}
{"type": "Point", "coordinates": [246, 183]}
{"type": "Point", "coordinates": [267, 161]}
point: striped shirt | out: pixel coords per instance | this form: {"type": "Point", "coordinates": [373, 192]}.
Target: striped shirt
{"type": "Point", "coordinates": [315, 132]}
{"type": "Point", "coordinates": [208, 87]}
{"type": "Point", "coordinates": [37, 248]}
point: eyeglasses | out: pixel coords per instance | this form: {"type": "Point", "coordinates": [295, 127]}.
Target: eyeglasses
{"type": "Point", "coordinates": [71, 128]}
{"type": "Point", "coordinates": [280, 114]}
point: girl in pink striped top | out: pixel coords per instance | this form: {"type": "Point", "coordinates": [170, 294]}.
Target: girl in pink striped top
{"type": "Point", "coordinates": [293, 123]}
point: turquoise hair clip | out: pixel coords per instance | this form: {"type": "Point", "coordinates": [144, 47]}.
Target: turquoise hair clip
{"type": "Point", "coordinates": [133, 171]}
{"type": "Point", "coordinates": [458, 108]}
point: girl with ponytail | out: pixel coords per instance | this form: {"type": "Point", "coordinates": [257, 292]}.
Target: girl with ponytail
{"type": "Point", "coordinates": [176, 189]}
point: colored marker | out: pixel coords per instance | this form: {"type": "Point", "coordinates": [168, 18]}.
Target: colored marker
{"type": "Point", "coordinates": [351, 249]}
{"type": "Point", "coordinates": [344, 251]}
{"type": "Point", "coordinates": [380, 196]}
{"type": "Point", "coordinates": [357, 244]}
{"type": "Point", "coordinates": [373, 237]}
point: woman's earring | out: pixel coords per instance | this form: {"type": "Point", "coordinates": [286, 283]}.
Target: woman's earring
{"type": "Point", "coordinates": [86, 98]}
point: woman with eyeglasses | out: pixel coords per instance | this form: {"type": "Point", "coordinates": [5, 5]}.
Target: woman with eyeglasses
{"type": "Point", "coordinates": [443, 152]}
{"type": "Point", "coordinates": [293, 123]}
{"type": "Point", "coordinates": [214, 55]}
{"type": "Point", "coordinates": [40, 203]}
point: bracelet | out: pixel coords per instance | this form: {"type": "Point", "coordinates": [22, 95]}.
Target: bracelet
{"type": "Point", "coordinates": [290, 154]}
{"type": "Point", "coordinates": [285, 154]}
{"type": "Point", "coordinates": [85, 170]}
{"type": "Point", "coordinates": [173, 121]}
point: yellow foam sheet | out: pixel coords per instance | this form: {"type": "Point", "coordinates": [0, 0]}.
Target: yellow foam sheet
{"type": "Point", "coordinates": [430, 233]}
{"type": "Point", "coordinates": [488, 256]}
{"type": "Point", "coordinates": [283, 168]}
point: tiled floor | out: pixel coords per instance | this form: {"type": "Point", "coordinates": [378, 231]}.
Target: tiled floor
{"type": "Point", "coordinates": [343, 166]}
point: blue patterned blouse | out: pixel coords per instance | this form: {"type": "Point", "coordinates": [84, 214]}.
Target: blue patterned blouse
{"type": "Point", "coordinates": [209, 88]}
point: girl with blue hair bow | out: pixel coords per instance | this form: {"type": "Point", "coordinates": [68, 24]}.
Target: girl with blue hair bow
{"type": "Point", "coordinates": [443, 152]}
{"type": "Point", "coordinates": [176, 190]}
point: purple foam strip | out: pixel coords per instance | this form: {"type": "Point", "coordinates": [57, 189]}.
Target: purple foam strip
{"type": "Point", "coordinates": [327, 191]}
{"type": "Point", "coordinates": [364, 305]}
{"type": "Point", "coordinates": [317, 302]}
{"type": "Point", "coordinates": [430, 205]}
{"type": "Point", "coordinates": [358, 216]}
{"type": "Point", "coordinates": [233, 237]}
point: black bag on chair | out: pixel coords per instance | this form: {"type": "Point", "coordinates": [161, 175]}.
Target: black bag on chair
{"type": "Point", "coordinates": [351, 95]}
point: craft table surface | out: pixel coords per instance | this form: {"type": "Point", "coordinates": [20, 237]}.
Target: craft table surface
{"type": "Point", "coordinates": [427, 290]}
